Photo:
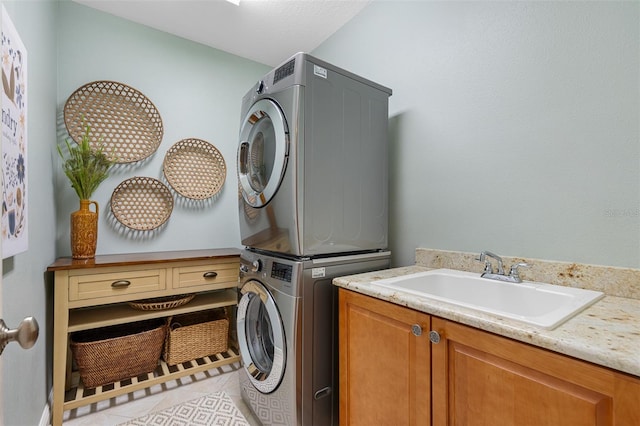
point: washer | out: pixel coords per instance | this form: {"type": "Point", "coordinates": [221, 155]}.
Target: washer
{"type": "Point", "coordinates": [312, 161]}
{"type": "Point", "coordinates": [287, 333]}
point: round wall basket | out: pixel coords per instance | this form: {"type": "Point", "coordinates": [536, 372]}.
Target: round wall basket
{"type": "Point", "coordinates": [142, 203]}
{"type": "Point", "coordinates": [195, 168]}
{"type": "Point", "coordinates": [123, 121]}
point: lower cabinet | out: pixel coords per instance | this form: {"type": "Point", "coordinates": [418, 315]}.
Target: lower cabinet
{"type": "Point", "coordinates": [479, 378]}
{"type": "Point", "coordinates": [475, 377]}
{"type": "Point", "coordinates": [384, 363]}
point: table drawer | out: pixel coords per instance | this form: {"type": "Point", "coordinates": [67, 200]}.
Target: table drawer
{"type": "Point", "coordinates": [217, 275]}
{"type": "Point", "coordinates": [97, 286]}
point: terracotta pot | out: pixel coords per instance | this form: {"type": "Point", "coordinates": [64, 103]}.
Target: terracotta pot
{"type": "Point", "coordinates": [84, 231]}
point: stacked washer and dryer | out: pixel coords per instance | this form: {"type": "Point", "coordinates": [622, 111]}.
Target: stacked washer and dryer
{"type": "Point", "coordinates": [313, 174]}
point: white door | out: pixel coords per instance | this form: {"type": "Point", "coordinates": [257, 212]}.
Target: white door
{"type": "Point", "coordinates": [1, 365]}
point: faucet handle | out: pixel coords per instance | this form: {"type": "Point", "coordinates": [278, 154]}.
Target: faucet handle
{"type": "Point", "coordinates": [513, 272]}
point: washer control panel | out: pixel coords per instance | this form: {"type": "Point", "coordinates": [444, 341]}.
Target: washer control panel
{"type": "Point", "coordinates": [281, 271]}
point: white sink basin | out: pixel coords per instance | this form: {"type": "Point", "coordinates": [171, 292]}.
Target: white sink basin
{"type": "Point", "coordinates": [540, 304]}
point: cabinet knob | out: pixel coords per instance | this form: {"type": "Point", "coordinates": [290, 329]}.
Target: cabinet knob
{"type": "Point", "coordinates": [210, 274]}
{"type": "Point", "coordinates": [416, 330]}
{"type": "Point", "coordinates": [434, 337]}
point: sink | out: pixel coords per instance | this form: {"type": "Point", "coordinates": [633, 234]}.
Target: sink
{"type": "Point", "coordinates": [540, 304]}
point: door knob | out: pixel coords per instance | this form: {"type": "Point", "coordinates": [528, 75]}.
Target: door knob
{"type": "Point", "coordinates": [26, 334]}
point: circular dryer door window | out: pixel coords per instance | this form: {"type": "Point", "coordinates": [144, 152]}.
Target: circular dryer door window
{"type": "Point", "coordinates": [263, 151]}
{"type": "Point", "coordinates": [261, 337]}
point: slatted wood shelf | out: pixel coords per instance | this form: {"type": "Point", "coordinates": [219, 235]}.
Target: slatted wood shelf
{"type": "Point", "coordinates": [78, 395]}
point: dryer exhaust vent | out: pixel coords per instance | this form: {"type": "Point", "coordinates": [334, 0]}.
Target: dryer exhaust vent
{"type": "Point", "coordinates": [284, 71]}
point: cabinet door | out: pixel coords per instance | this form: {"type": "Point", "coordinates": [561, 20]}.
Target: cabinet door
{"type": "Point", "coordinates": [483, 379]}
{"type": "Point", "coordinates": [384, 366]}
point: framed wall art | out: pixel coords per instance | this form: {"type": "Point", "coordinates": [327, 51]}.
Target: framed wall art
{"type": "Point", "coordinates": [14, 141]}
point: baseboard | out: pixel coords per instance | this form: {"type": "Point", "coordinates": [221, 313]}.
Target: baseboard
{"type": "Point", "coordinates": [45, 419]}
{"type": "Point", "coordinates": [46, 415]}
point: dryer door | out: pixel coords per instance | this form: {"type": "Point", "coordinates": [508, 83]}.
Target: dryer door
{"type": "Point", "coordinates": [261, 337]}
{"type": "Point", "coordinates": [263, 151]}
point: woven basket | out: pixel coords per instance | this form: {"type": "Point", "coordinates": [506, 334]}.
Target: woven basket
{"type": "Point", "coordinates": [142, 203]}
{"type": "Point", "coordinates": [162, 303]}
{"type": "Point", "coordinates": [106, 355]}
{"type": "Point", "coordinates": [124, 122]}
{"type": "Point", "coordinates": [195, 168]}
{"type": "Point", "coordinates": [195, 335]}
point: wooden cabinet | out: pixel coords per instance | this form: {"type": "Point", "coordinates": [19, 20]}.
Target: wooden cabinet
{"type": "Point", "coordinates": [384, 365]}
{"type": "Point", "coordinates": [93, 293]}
{"type": "Point", "coordinates": [470, 377]}
{"type": "Point", "coordinates": [479, 378]}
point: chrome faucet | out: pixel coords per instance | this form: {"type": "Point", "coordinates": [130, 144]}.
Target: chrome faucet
{"type": "Point", "coordinates": [514, 275]}
{"type": "Point", "coordinates": [487, 265]}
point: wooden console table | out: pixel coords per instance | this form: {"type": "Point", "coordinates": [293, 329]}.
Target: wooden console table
{"type": "Point", "coordinates": [93, 293]}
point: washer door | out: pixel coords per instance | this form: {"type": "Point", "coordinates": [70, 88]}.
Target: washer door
{"type": "Point", "coordinates": [263, 151]}
{"type": "Point", "coordinates": [261, 337]}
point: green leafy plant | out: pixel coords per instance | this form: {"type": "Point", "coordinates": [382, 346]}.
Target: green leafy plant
{"type": "Point", "coordinates": [85, 166]}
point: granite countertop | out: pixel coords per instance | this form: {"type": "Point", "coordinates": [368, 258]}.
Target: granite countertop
{"type": "Point", "coordinates": [607, 333]}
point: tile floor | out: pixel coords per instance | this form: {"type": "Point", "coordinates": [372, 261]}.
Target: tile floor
{"type": "Point", "coordinates": [123, 408]}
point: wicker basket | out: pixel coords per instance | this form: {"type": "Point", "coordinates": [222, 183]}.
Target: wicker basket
{"type": "Point", "coordinates": [195, 168]}
{"type": "Point", "coordinates": [141, 203]}
{"type": "Point", "coordinates": [162, 303]}
{"type": "Point", "coordinates": [124, 122]}
{"type": "Point", "coordinates": [106, 355]}
{"type": "Point", "coordinates": [195, 335]}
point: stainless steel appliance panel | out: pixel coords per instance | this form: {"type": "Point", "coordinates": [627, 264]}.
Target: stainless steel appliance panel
{"type": "Point", "coordinates": [307, 302]}
{"type": "Point", "coordinates": [326, 190]}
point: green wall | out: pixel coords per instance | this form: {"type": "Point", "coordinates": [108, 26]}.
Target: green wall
{"type": "Point", "coordinates": [515, 126]}
{"type": "Point", "coordinates": [197, 91]}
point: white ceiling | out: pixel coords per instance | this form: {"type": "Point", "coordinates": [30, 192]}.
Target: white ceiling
{"type": "Point", "coordinates": [266, 31]}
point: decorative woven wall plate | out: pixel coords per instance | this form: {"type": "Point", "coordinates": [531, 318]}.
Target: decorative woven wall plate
{"type": "Point", "coordinates": [142, 203]}
{"type": "Point", "coordinates": [195, 168]}
{"type": "Point", "coordinates": [128, 124]}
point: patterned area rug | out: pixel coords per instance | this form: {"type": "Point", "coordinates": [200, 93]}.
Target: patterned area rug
{"type": "Point", "coordinates": [214, 409]}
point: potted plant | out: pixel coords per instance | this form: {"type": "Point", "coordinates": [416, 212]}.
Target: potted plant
{"type": "Point", "coordinates": [86, 167]}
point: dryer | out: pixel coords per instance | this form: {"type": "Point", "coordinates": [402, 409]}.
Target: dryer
{"type": "Point", "coordinates": [312, 161]}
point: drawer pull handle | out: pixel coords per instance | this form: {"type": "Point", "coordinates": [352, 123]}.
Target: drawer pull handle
{"type": "Point", "coordinates": [210, 274]}
{"type": "Point", "coordinates": [120, 284]}
{"type": "Point", "coordinates": [322, 393]}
